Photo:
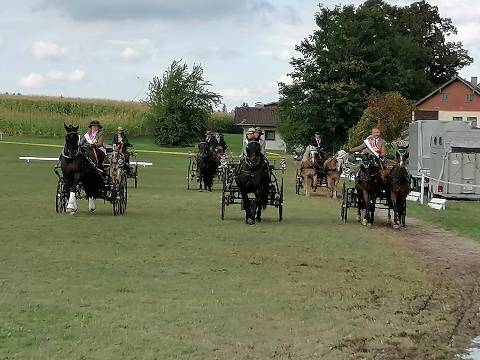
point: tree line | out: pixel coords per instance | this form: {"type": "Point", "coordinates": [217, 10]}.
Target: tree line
{"type": "Point", "coordinates": [362, 66]}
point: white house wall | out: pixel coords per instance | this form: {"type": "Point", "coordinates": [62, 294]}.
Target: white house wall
{"type": "Point", "coordinates": [449, 115]}
{"type": "Point", "coordinates": [278, 144]}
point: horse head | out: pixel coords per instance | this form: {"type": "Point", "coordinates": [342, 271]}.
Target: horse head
{"type": "Point", "coordinates": [203, 149]}
{"type": "Point", "coordinates": [253, 154]}
{"type": "Point", "coordinates": [401, 154]}
{"type": "Point", "coordinates": [72, 140]}
{"type": "Point", "coordinates": [311, 157]}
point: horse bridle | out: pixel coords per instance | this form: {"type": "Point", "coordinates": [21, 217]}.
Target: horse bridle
{"type": "Point", "coordinates": [78, 147]}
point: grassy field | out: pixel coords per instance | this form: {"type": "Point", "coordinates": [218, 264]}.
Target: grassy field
{"type": "Point", "coordinates": [462, 217]}
{"type": "Point", "coordinates": [170, 280]}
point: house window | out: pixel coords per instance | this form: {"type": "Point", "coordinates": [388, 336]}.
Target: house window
{"type": "Point", "coordinates": [472, 120]}
{"type": "Point", "coordinates": [270, 135]}
{"type": "Point", "coordinates": [469, 98]}
{"type": "Point", "coordinates": [444, 97]}
{"type": "Point", "coordinates": [457, 118]}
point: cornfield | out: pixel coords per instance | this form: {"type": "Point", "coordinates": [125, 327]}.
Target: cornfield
{"type": "Point", "coordinates": [31, 115]}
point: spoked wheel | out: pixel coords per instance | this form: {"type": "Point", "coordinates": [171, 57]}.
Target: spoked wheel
{"type": "Point", "coordinates": [344, 205]}
{"type": "Point", "coordinates": [189, 175]}
{"type": "Point", "coordinates": [298, 182]}
{"type": "Point", "coordinates": [136, 176]}
{"type": "Point", "coordinates": [280, 204]}
{"type": "Point", "coordinates": [120, 195]}
{"type": "Point", "coordinates": [60, 197]}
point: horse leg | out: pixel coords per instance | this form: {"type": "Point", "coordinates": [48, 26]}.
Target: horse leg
{"type": "Point", "coordinates": [314, 182]}
{"type": "Point", "coordinates": [371, 206]}
{"type": "Point", "coordinates": [250, 220]}
{"type": "Point", "coordinates": [258, 205]}
{"type": "Point", "coordinates": [308, 185]}
{"type": "Point", "coordinates": [360, 205]}
{"type": "Point", "coordinates": [91, 204]}
{"type": "Point", "coordinates": [72, 201]}
{"type": "Point", "coordinates": [395, 209]}
{"type": "Point", "coordinates": [366, 200]}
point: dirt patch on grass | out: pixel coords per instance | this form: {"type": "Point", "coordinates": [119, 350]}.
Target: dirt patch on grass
{"type": "Point", "coordinates": [455, 267]}
{"type": "Point", "coordinates": [445, 319]}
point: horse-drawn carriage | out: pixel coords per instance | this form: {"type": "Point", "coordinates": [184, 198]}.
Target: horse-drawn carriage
{"type": "Point", "coordinates": [194, 171]}
{"type": "Point", "coordinates": [232, 193]}
{"type": "Point", "coordinates": [316, 169]}
{"type": "Point", "coordinates": [378, 183]}
{"type": "Point", "coordinates": [114, 188]}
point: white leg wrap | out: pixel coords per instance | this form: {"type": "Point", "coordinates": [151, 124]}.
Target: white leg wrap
{"type": "Point", "coordinates": [91, 204]}
{"type": "Point", "coordinates": [72, 202]}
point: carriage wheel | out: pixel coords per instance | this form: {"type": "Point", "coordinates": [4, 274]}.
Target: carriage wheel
{"type": "Point", "coordinates": [344, 205]}
{"type": "Point", "coordinates": [298, 183]}
{"type": "Point", "coordinates": [119, 195]}
{"type": "Point", "coordinates": [114, 198]}
{"type": "Point", "coordinates": [60, 197]}
{"type": "Point", "coordinates": [123, 192]}
{"type": "Point", "coordinates": [189, 173]}
{"type": "Point", "coordinates": [280, 204]}
{"type": "Point", "coordinates": [136, 176]}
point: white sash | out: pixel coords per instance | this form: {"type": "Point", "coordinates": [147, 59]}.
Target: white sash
{"type": "Point", "coordinates": [370, 147]}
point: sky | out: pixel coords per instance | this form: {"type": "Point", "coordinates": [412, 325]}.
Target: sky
{"type": "Point", "coordinates": [113, 48]}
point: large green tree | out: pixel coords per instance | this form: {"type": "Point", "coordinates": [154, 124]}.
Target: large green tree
{"type": "Point", "coordinates": [180, 103]}
{"type": "Point", "coordinates": [356, 50]}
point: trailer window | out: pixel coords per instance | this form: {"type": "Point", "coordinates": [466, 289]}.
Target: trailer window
{"type": "Point", "coordinates": [440, 141]}
{"type": "Point", "coordinates": [435, 140]}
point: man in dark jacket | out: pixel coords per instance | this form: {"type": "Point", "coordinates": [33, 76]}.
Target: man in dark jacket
{"type": "Point", "coordinates": [317, 140]}
{"type": "Point", "coordinates": [211, 140]}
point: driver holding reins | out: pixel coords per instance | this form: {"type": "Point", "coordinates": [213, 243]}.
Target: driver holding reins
{"type": "Point", "coordinates": [373, 144]}
{"type": "Point", "coordinates": [94, 137]}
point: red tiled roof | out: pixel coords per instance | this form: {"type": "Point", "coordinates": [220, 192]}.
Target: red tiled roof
{"type": "Point", "coordinates": [256, 116]}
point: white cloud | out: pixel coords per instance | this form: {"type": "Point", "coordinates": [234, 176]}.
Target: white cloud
{"type": "Point", "coordinates": [33, 81]}
{"type": "Point", "coordinates": [49, 50]}
{"type": "Point", "coordinates": [74, 76]}
{"type": "Point", "coordinates": [133, 42]}
{"type": "Point", "coordinates": [129, 54]}
{"type": "Point", "coordinates": [236, 93]}
{"type": "Point", "coordinates": [279, 55]}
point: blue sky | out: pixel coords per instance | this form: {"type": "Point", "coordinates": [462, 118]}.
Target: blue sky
{"type": "Point", "coordinates": [112, 48]}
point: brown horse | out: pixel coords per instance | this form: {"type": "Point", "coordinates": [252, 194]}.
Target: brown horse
{"type": "Point", "coordinates": [398, 186]}
{"type": "Point", "coordinates": [367, 182]}
{"type": "Point", "coordinates": [308, 169]}
{"type": "Point", "coordinates": [333, 170]}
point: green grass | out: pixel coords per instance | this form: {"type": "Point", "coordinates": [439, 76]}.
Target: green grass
{"type": "Point", "coordinates": [462, 217]}
{"type": "Point", "coordinates": [170, 280]}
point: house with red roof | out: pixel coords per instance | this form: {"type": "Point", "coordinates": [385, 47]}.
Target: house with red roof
{"type": "Point", "coordinates": [264, 116]}
{"type": "Point", "coordinates": [456, 100]}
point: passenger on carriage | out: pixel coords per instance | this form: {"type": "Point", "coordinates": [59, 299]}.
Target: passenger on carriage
{"type": "Point", "coordinates": [211, 140]}
{"type": "Point", "coordinates": [120, 141]}
{"type": "Point", "coordinates": [94, 138]}
{"type": "Point", "coordinates": [373, 144]}
{"type": "Point", "coordinates": [317, 140]}
{"type": "Point", "coordinates": [258, 136]}
{"type": "Point", "coordinates": [221, 141]}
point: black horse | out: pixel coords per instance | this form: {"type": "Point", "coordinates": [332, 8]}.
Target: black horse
{"type": "Point", "coordinates": [253, 177]}
{"type": "Point", "coordinates": [77, 167]}
{"type": "Point", "coordinates": [367, 183]}
{"type": "Point", "coordinates": [207, 164]}
{"type": "Point", "coordinates": [399, 180]}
